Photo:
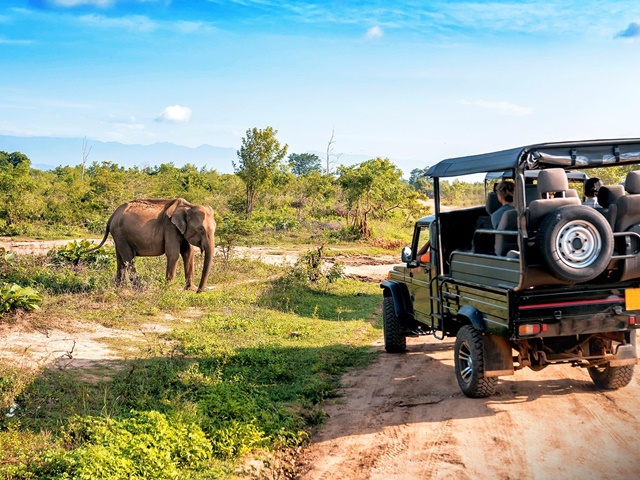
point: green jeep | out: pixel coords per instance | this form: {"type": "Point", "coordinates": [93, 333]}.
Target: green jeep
{"type": "Point", "coordinates": [554, 282]}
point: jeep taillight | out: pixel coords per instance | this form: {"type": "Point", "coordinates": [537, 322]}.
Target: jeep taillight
{"type": "Point", "coordinates": [531, 329]}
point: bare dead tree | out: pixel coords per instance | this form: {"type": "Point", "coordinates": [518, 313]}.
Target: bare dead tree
{"type": "Point", "coordinates": [85, 155]}
{"type": "Point", "coordinates": [331, 162]}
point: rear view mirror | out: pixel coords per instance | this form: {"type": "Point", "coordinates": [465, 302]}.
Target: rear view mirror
{"type": "Point", "coordinates": [406, 254]}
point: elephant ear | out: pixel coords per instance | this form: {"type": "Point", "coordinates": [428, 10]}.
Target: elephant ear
{"type": "Point", "coordinates": [177, 212]}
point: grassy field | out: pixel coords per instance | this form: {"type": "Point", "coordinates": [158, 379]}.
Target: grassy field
{"type": "Point", "coordinates": [233, 374]}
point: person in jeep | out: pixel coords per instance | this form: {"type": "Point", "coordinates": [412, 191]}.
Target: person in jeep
{"type": "Point", "coordinates": [504, 191]}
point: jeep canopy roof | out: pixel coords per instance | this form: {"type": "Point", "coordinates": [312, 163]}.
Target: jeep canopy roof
{"type": "Point", "coordinates": [580, 154]}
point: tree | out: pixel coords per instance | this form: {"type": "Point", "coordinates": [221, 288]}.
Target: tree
{"type": "Point", "coordinates": [304, 163]}
{"type": "Point", "coordinates": [330, 154]}
{"type": "Point", "coordinates": [373, 188]}
{"type": "Point", "coordinates": [259, 158]}
{"type": "Point", "coordinates": [418, 180]}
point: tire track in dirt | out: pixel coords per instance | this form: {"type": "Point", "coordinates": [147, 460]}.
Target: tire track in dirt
{"type": "Point", "coordinates": [405, 417]}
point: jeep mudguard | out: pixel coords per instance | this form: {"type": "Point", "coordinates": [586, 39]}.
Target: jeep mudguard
{"type": "Point", "coordinates": [401, 299]}
{"type": "Point", "coordinates": [469, 314]}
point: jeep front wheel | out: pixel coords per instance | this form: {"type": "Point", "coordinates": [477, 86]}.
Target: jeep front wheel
{"type": "Point", "coordinates": [394, 340]}
{"type": "Point", "coordinates": [611, 378]}
{"type": "Point", "coordinates": [469, 364]}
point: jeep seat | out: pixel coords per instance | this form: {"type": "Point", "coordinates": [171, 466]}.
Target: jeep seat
{"type": "Point", "coordinates": [552, 180]}
{"type": "Point", "coordinates": [629, 205]}
{"type": "Point", "coordinates": [607, 197]}
{"type": "Point", "coordinates": [503, 242]}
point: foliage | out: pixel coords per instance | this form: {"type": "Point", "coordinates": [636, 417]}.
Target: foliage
{"type": "Point", "coordinates": [83, 251]}
{"type": "Point", "coordinates": [145, 445]}
{"type": "Point", "coordinates": [310, 267]}
{"type": "Point", "coordinates": [304, 163]}
{"type": "Point", "coordinates": [232, 232]}
{"type": "Point", "coordinates": [457, 193]}
{"type": "Point", "coordinates": [259, 158]}
{"type": "Point", "coordinates": [13, 297]}
{"type": "Point", "coordinates": [419, 181]}
{"type": "Point", "coordinates": [373, 188]}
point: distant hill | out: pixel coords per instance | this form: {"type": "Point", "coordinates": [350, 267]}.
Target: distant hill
{"type": "Point", "coordinates": [47, 153]}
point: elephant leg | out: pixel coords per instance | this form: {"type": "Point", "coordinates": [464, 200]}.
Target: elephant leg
{"type": "Point", "coordinates": [172, 263]}
{"type": "Point", "coordinates": [125, 256]}
{"type": "Point", "coordinates": [121, 270]}
{"type": "Point", "coordinates": [186, 250]}
{"type": "Point", "coordinates": [133, 275]}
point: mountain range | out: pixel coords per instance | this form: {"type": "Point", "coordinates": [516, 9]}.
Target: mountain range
{"type": "Point", "coordinates": [47, 153]}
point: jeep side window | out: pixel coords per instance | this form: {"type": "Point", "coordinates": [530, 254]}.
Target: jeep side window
{"type": "Point", "coordinates": [423, 255]}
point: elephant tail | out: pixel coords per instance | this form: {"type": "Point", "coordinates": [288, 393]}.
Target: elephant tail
{"type": "Point", "coordinates": [106, 235]}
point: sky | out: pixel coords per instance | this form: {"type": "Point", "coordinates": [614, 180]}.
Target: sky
{"type": "Point", "coordinates": [414, 81]}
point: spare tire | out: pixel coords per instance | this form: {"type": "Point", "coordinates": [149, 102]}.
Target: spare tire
{"type": "Point", "coordinates": [575, 242]}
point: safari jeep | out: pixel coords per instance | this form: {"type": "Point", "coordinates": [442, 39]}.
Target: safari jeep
{"type": "Point", "coordinates": [556, 282]}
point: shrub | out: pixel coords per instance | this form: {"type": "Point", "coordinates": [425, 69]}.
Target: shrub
{"type": "Point", "coordinates": [145, 446]}
{"type": "Point", "coordinates": [14, 296]}
{"type": "Point", "coordinates": [80, 252]}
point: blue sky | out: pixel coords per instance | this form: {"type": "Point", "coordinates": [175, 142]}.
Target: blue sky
{"type": "Point", "coordinates": [414, 81]}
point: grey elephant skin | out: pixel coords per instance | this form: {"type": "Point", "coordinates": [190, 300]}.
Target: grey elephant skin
{"type": "Point", "coordinates": [156, 226]}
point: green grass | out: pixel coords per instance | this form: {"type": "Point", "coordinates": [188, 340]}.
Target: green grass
{"type": "Point", "coordinates": [243, 370]}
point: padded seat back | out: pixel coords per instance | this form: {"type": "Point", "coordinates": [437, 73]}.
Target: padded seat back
{"type": "Point", "coordinates": [551, 180]}
{"type": "Point", "coordinates": [628, 206]}
{"type": "Point", "coordinates": [504, 243]}
{"type": "Point", "coordinates": [607, 197]}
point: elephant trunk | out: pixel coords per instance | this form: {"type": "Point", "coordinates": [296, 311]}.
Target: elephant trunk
{"type": "Point", "coordinates": [208, 261]}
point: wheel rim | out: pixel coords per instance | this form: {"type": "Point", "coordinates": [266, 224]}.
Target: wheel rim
{"type": "Point", "coordinates": [579, 244]}
{"type": "Point", "coordinates": [465, 362]}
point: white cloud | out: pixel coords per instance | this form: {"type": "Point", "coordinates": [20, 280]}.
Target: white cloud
{"type": "Point", "coordinates": [174, 114]}
{"type": "Point", "coordinates": [374, 32]}
{"type": "Point", "coordinates": [137, 23]}
{"type": "Point", "coordinates": [504, 108]}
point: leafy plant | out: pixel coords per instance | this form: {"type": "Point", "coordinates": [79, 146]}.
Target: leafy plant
{"type": "Point", "coordinates": [80, 252]}
{"type": "Point", "coordinates": [14, 296]}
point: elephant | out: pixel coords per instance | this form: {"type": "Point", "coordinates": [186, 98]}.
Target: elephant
{"type": "Point", "coordinates": [156, 226]}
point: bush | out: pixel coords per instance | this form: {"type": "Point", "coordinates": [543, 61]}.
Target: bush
{"type": "Point", "coordinates": [76, 252]}
{"type": "Point", "coordinates": [146, 445]}
{"type": "Point", "coordinates": [14, 296]}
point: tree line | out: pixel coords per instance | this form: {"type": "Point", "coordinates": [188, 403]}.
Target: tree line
{"type": "Point", "coordinates": [268, 188]}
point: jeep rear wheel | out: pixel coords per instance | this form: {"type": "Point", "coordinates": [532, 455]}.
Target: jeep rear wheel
{"type": "Point", "coordinates": [611, 378]}
{"type": "Point", "coordinates": [575, 242]}
{"type": "Point", "coordinates": [469, 364]}
{"type": "Point", "coordinates": [394, 339]}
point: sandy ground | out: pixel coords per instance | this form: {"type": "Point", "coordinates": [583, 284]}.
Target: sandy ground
{"type": "Point", "coordinates": [404, 417]}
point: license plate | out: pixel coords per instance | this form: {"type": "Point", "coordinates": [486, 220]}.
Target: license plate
{"type": "Point", "coordinates": [632, 298]}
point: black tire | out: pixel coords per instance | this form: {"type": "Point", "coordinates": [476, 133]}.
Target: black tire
{"type": "Point", "coordinates": [394, 339]}
{"type": "Point", "coordinates": [469, 364]}
{"type": "Point", "coordinates": [575, 243]}
{"type": "Point", "coordinates": [611, 378]}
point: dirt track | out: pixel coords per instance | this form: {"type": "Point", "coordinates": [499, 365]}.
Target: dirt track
{"type": "Point", "coordinates": [404, 417]}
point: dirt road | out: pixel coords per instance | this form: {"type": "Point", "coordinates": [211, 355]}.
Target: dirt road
{"type": "Point", "coordinates": [404, 417]}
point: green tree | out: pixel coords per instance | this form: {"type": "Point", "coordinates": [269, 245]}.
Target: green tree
{"type": "Point", "coordinates": [372, 189]}
{"type": "Point", "coordinates": [304, 163]}
{"type": "Point", "coordinates": [259, 159]}
{"type": "Point", "coordinates": [21, 192]}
